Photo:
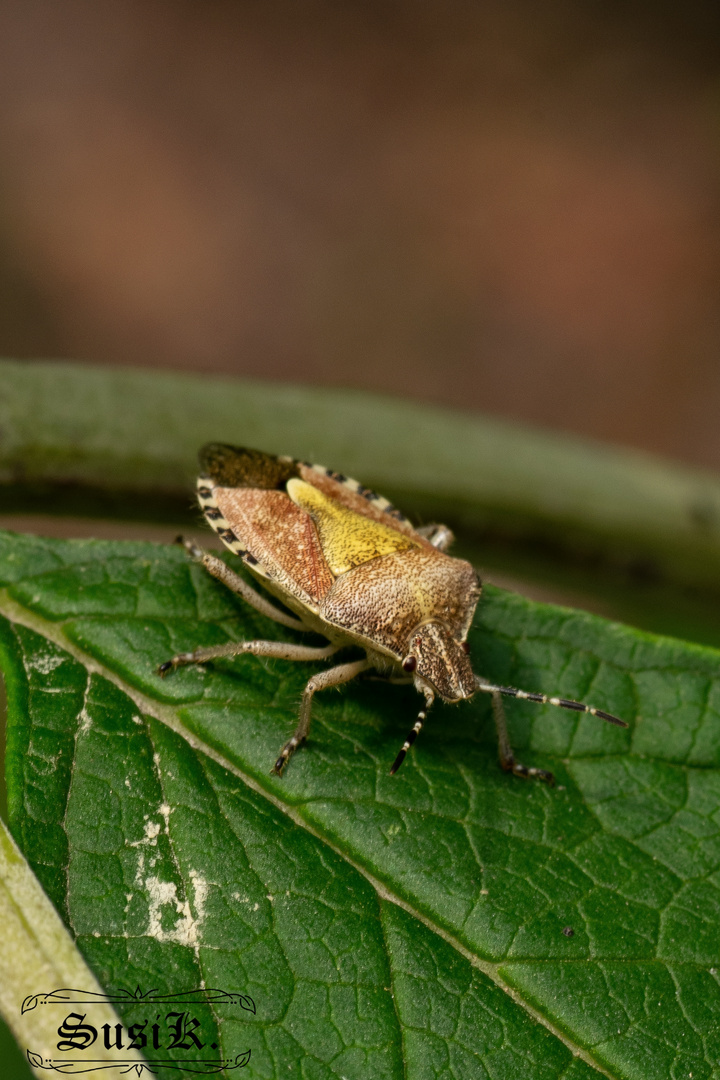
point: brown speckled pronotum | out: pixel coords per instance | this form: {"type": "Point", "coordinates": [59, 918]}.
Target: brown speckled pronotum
{"type": "Point", "coordinates": [351, 567]}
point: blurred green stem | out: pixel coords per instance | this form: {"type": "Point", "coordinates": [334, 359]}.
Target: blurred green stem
{"type": "Point", "coordinates": [616, 523]}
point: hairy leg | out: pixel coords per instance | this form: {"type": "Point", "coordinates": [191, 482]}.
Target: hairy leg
{"type": "Point", "coordinates": [507, 759]}
{"type": "Point", "coordinates": [505, 753]}
{"type": "Point", "coordinates": [236, 584]}
{"type": "Point", "coordinates": [439, 535]}
{"type": "Point", "coordinates": [322, 681]}
{"type": "Point", "coordinates": [281, 650]}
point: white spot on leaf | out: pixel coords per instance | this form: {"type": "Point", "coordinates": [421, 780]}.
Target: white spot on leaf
{"type": "Point", "coordinates": [151, 830]}
{"type": "Point", "coordinates": [44, 663]}
{"type": "Point", "coordinates": [186, 930]}
{"type": "Point", "coordinates": [200, 892]}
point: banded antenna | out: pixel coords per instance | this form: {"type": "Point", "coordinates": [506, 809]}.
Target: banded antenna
{"type": "Point", "coordinates": [508, 691]}
{"type": "Point", "coordinates": [543, 699]}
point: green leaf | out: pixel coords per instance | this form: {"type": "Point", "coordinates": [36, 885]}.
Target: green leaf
{"type": "Point", "coordinates": [407, 926]}
{"type": "Point", "coordinates": [38, 954]}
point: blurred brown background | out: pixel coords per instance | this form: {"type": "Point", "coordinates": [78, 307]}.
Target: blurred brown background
{"type": "Point", "coordinates": [506, 206]}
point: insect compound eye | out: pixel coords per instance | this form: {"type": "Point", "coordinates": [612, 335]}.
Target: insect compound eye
{"type": "Point", "coordinates": [465, 647]}
{"type": "Point", "coordinates": [409, 663]}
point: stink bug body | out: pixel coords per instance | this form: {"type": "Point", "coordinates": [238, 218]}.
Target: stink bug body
{"type": "Point", "coordinates": [352, 568]}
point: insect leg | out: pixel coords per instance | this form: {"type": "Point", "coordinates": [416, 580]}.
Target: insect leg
{"type": "Point", "coordinates": [507, 758]}
{"type": "Point", "coordinates": [236, 584]}
{"type": "Point", "coordinates": [322, 681]}
{"type": "Point", "coordinates": [422, 717]}
{"type": "Point", "coordinates": [280, 650]}
{"type": "Point", "coordinates": [439, 535]}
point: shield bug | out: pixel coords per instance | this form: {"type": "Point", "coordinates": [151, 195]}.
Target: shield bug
{"type": "Point", "coordinates": [352, 568]}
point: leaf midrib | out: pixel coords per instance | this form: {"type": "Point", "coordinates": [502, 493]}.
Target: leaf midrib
{"type": "Point", "coordinates": [167, 715]}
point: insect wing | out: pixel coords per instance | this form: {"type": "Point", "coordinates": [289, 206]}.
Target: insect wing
{"type": "Point", "coordinates": [354, 496]}
{"type": "Point", "coordinates": [238, 467]}
{"type": "Point", "coordinates": [228, 466]}
{"type": "Point", "coordinates": [279, 536]}
{"type": "Point", "coordinates": [298, 524]}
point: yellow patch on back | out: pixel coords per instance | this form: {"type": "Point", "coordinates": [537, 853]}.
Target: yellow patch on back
{"type": "Point", "coordinates": [347, 539]}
